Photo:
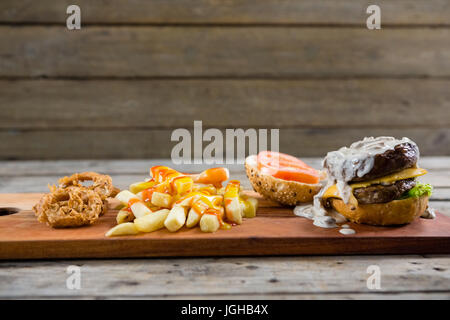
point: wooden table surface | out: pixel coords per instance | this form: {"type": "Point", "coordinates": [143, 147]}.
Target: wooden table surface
{"type": "Point", "coordinates": [301, 277]}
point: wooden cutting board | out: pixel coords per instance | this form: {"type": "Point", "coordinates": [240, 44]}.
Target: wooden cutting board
{"type": "Point", "coordinates": [275, 231]}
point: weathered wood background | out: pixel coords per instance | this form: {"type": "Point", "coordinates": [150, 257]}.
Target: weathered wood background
{"type": "Point", "coordinates": [138, 69]}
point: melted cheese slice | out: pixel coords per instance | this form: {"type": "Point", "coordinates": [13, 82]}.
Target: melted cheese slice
{"type": "Point", "coordinates": [405, 174]}
{"type": "Point", "coordinates": [332, 192]}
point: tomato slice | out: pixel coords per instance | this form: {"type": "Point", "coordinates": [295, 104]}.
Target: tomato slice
{"type": "Point", "coordinates": [286, 167]}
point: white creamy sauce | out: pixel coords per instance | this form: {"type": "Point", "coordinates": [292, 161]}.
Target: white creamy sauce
{"type": "Point", "coordinates": [357, 160]}
{"type": "Point", "coordinates": [337, 216]}
{"type": "Point", "coordinates": [323, 219]}
{"type": "Point", "coordinates": [305, 211]}
{"type": "Point", "coordinates": [347, 231]}
{"type": "Point", "coordinates": [319, 219]}
{"type": "Point", "coordinates": [324, 222]}
{"type": "Point", "coordinates": [343, 166]}
{"type": "Point", "coordinates": [429, 213]}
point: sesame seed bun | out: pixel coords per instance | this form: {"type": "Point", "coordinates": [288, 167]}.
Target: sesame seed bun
{"type": "Point", "coordinates": [395, 212]}
{"type": "Point", "coordinates": [285, 192]}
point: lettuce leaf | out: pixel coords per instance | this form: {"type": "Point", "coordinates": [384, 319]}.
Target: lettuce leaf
{"type": "Point", "coordinates": [419, 190]}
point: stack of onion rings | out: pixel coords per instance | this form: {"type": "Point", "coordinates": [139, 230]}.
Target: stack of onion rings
{"type": "Point", "coordinates": [71, 204]}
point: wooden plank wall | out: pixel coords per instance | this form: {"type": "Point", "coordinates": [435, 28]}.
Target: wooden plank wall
{"type": "Point", "coordinates": [137, 70]}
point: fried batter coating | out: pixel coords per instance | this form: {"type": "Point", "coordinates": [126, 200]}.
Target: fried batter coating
{"type": "Point", "coordinates": [71, 204]}
{"type": "Point", "coordinates": [69, 207]}
{"type": "Point", "coordinates": [102, 184]}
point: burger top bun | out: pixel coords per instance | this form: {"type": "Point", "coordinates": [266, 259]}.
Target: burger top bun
{"type": "Point", "coordinates": [395, 212]}
{"type": "Point", "coordinates": [286, 192]}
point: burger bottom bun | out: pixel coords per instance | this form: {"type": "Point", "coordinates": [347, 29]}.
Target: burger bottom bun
{"type": "Point", "coordinates": [396, 212]}
{"type": "Point", "coordinates": [286, 192]}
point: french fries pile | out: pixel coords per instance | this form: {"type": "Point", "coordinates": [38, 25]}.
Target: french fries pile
{"type": "Point", "coordinates": [172, 199]}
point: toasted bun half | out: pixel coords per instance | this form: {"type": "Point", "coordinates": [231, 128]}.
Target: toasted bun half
{"type": "Point", "coordinates": [396, 212]}
{"type": "Point", "coordinates": [288, 193]}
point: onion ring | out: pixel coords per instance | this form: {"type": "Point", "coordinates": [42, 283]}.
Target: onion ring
{"type": "Point", "coordinates": [69, 207]}
{"type": "Point", "coordinates": [71, 204]}
{"type": "Point", "coordinates": [102, 184]}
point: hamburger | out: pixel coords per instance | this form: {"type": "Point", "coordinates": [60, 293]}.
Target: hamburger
{"type": "Point", "coordinates": [374, 181]}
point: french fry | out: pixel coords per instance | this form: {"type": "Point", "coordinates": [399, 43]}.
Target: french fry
{"type": "Point", "coordinates": [205, 188]}
{"type": "Point", "coordinates": [188, 200]}
{"type": "Point", "coordinates": [123, 229]}
{"type": "Point", "coordinates": [139, 195]}
{"type": "Point", "coordinates": [152, 222]}
{"type": "Point", "coordinates": [214, 176]}
{"type": "Point", "coordinates": [233, 207]}
{"type": "Point", "coordinates": [221, 191]}
{"type": "Point", "coordinates": [124, 216]}
{"type": "Point", "coordinates": [192, 219]}
{"type": "Point", "coordinates": [183, 185]}
{"type": "Point", "coordinates": [250, 207]}
{"type": "Point", "coordinates": [176, 218]}
{"type": "Point", "coordinates": [139, 209]}
{"type": "Point", "coordinates": [198, 186]}
{"type": "Point", "coordinates": [139, 186]}
{"type": "Point", "coordinates": [233, 210]}
{"type": "Point", "coordinates": [209, 223]}
{"type": "Point", "coordinates": [125, 196]}
{"type": "Point", "coordinates": [173, 199]}
{"type": "Point", "coordinates": [162, 200]}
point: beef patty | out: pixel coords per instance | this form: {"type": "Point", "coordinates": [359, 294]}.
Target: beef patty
{"type": "Point", "coordinates": [379, 193]}
{"type": "Point", "coordinates": [403, 156]}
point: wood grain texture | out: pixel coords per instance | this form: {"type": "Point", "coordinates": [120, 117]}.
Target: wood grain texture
{"type": "Point", "coordinates": [155, 143]}
{"type": "Point", "coordinates": [232, 11]}
{"type": "Point", "coordinates": [53, 51]}
{"type": "Point", "coordinates": [35, 168]}
{"type": "Point", "coordinates": [67, 104]}
{"type": "Point", "coordinates": [409, 276]}
{"type": "Point", "coordinates": [32, 168]}
{"type": "Point", "coordinates": [274, 231]}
